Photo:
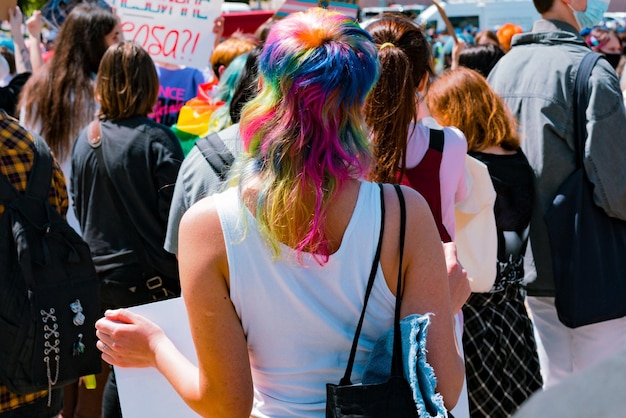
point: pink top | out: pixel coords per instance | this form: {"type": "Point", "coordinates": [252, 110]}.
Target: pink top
{"type": "Point", "coordinates": [452, 172]}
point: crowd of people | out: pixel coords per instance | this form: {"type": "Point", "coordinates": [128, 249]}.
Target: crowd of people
{"type": "Point", "coordinates": [255, 195]}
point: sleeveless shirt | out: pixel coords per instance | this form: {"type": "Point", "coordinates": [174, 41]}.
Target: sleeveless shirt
{"type": "Point", "coordinates": [424, 178]}
{"type": "Point", "coordinates": [299, 319]}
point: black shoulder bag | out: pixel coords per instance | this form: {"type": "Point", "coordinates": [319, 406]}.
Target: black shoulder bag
{"type": "Point", "coordinates": [587, 245]}
{"type": "Point", "coordinates": [393, 398]}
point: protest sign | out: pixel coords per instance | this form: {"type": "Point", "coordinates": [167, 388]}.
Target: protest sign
{"type": "Point", "coordinates": [5, 6]}
{"type": "Point", "coordinates": [349, 8]}
{"type": "Point", "coordinates": [172, 31]}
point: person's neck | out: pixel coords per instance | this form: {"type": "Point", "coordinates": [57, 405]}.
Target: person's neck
{"type": "Point", "coordinates": [561, 11]}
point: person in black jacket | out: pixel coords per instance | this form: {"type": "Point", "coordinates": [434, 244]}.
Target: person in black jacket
{"type": "Point", "coordinates": [122, 196]}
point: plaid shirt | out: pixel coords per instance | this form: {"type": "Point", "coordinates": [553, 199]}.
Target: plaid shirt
{"type": "Point", "coordinates": [17, 151]}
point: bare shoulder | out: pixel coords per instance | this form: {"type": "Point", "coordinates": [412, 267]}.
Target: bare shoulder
{"type": "Point", "coordinates": [200, 217]}
{"type": "Point", "coordinates": [422, 242]}
{"type": "Point", "coordinates": [415, 203]}
{"type": "Point", "coordinates": [201, 247]}
{"type": "Point", "coordinates": [417, 210]}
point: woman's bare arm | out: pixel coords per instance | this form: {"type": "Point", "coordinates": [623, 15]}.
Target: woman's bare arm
{"type": "Point", "coordinates": [22, 55]}
{"type": "Point", "coordinates": [34, 25]}
{"type": "Point", "coordinates": [225, 377]}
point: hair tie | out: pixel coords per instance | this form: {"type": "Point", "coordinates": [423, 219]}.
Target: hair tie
{"type": "Point", "coordinates": [387, 44]}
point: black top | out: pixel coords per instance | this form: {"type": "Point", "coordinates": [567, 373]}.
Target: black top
{"type": "Point", "coordinates": [143, 159]}
{"type": "Point", "coordinates": [513, 181]}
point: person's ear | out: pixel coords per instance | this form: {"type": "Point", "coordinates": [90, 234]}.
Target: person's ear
{"type": "Point", "coordinates": [221, 70]}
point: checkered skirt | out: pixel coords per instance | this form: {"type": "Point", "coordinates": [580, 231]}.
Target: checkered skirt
{"type": "Point", "coordinates": [501, 361]}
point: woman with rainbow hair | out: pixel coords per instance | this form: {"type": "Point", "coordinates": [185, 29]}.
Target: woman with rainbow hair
{"type": "Point", "coordinates": [273, 300]}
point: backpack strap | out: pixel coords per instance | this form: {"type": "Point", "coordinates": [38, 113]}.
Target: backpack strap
{"type": "Point", "coordinates": [216, 154]}
{"type": "Point", "coordinates": [7, 190]}
{"type": "Point", "coordinates": [40, 174]}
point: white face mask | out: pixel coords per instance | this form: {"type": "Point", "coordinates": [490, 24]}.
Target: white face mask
{"type": "Point", "coordinates": [592, 15]}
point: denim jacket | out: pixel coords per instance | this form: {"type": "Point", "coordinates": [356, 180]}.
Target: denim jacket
{"type": "Point", "coordinates": [536, 80]}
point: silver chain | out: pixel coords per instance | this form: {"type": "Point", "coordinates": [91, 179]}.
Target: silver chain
{"type": "Point", "coordinates": [49, 347]}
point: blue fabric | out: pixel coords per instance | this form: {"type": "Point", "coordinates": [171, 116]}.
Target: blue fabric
{"type": "Point", "coordinates": [417, 371]}
{"type": "Point", "coordinates": [176, 87]}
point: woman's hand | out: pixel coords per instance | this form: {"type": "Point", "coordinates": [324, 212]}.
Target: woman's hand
{"type": "Point", "coordinates": [459, 284]}
{"type": "Point", "coordinates": [127, 339]}
{"type": "Point", "coordinates": [34, 26]}
{"type": "Point", "coordinates": [218, 29]}
{"type": "Point", "coordinates": [457, 48]}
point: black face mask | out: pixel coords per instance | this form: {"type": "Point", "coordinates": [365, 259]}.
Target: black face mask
{"type": "Point", "coordinates": [613, 59]}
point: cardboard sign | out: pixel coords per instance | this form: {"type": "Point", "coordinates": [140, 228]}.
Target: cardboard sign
{"type": "Point", "coordinates": [172, 31]}
{"type": "Point", "coordinates": [145, 392]}
{"type": "Point", "coordinates": [5, 6]}
{"type": "Point", "coordinates": [349, 8]}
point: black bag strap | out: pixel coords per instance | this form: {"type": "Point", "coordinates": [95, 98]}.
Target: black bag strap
{"type": "Point", "coordinates": [396, 362]}
{"type": "Point", "coordinates": [94, 138]}
{"type": "Point", "coordinates": [7, 191]}
{"type": "Point", "coordinates": [581, 96]}
{"type": "Point", "coordinates": [40, 174]}
{"type": "Point", "coordinates": [216, 154]}
{"type": "Point", "coordinates": [345, 380]}
{"type": "Point", "coordinates": [397, 368]}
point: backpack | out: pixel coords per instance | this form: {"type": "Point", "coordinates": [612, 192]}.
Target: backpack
{"type": "Point", "coordinates": [49, 290]}
{"type": "Point", "coordinates": [216, 154]}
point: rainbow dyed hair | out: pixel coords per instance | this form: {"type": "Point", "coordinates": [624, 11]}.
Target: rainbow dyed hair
{"type": "Point", "coordinates": [220, 118]}
{"type": "Point", "coordinates": [305, 133]}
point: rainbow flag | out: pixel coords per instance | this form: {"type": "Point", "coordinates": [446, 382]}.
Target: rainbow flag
{"type": "Point", "coordinates": [193, 119]}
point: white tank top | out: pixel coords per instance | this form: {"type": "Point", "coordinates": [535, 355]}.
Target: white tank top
{"type": "Point", "coordinates": [299, 319]}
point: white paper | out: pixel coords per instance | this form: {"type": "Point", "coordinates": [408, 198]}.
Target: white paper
{"type": "Point", "coordinates": [172, 31]}
{"type": "Point", "coordinates": [145, 392]}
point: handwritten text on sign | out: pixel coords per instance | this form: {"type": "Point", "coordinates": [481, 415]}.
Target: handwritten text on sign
{"type": "Point", "coordinates": [174, 31]}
